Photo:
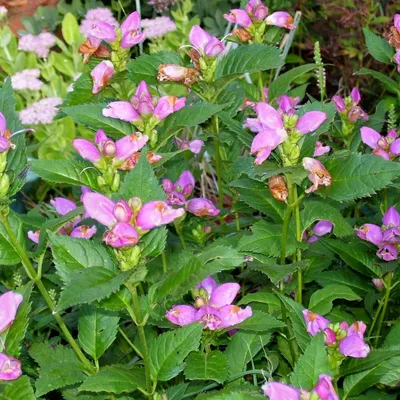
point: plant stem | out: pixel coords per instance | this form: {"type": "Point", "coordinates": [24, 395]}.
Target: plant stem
{"type": "Point", "coordinates": [261, 86]}
{"type": "Point", "coordinates": [286, 220]}
{"type": "Point", "coordinates": [135, 349]}
{"type": "Point", "coordinates": [31, 272]}
{"type": "Point", "coordinates": [375, 319]}
{"type": "Point", "coordinates": [164, 262]}
{"type": "Point", "coordinates": [385, 304]}
{"type": "Point", "coordinates": [218, 162]}
{"type": "Point", "coordinates": [180, 234]}
{"type": "Point", "coordinates": [299, 296]}
{"type": "Point", "coordinates": [142, 339]}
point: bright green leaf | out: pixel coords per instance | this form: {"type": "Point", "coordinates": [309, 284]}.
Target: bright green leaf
{"type": "Point", "coordinates": [207, 366]}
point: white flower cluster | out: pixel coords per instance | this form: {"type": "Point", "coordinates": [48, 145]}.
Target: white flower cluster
{"type": "Point", "coordinates": [157, 27]}
{"type": "Point", "coordinates": [41, 112]}
{"type": "Point", "coordinates": [27, 79]}
{"type": "Point", "coordinates": [40, 44]}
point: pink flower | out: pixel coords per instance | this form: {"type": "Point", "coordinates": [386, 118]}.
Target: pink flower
{"type": "Point", "coordinates": [87, 150]}
{"type": "Point", "coordinates": [386, 147]}
{"type": "Point", "coordinates": [40, 44]}
{"type": "Point", "coordinates": [202, 207]}
{"type": "Point", "coordinates": [391, 217]}
{"type": "Point", "coordinates": [34, 236]}
{"type": "Point", "coordinates": [232, 315]}
{"type": "Point", "coordinates": [318, 174]}
{"type": "Point", "coordinates": [320, 149]}
{"type": "Point", "coordinates": [323, 227]}
{"type": "Point", "coordinates": [204, 43]}
{"type": "Point", "coordinates": [4, 135]}
{"type": "Point", "coordinates": [83, 232]}
{"type": "Point", "coordinates": [122, 211]}
{"type": "Point", "coordinates": [63, 206]}
{"type": "Point", "coordinates": [9, 303]}
{"type": "Point", "coordinates": [27, 79]}
{"type": "Point", "coordinates": [122, 235]}
{"type": "Point", "coordinates": [353, 346]}
{"type": "Point", "coordinates": [99, 207]}
{"type": "Point", "coordinates": [209, 317]}
{"type": "Point", "coordinates": [329, 336]}
{"type": "Point", "coordinates": [10, 368]}
{"type": "Point", "coordinates": [121, 110]}
{"type": "Point", "coordinates": [209, 285]}
{"type": "Point", "coordinates": [182, 315]}
{"type": "Point", "coordinates": [178, 193]}
{"type": "Point", "coordinates": [325, 389]}
{"type": "Point", "coordinates": [397, 60]}
{"type": "Point", "coordinates": [349, 107]}
{"type": "Point", "coordinates": [131, 33]}
{"type": "Point", "coordinates": [104, 31]}
{"type": "Point", "coordinates": [167, 105]}
{"type": "Point", "coordinates": [240, 17]}
{"type": "Point", "coordinates": [95, 15]}
{"type": "Point", "coordinates": [315, 322]}
{"type": "Point", "coordinates": [310, 121]}
{"type": "Point", "coordinates": [280, 391]}
{"type": "Point", "coordinates": [257, 9]}
{"type": "Point", "coordinates": [101, 74]}
{"type": "Point", "coordinates": [194, 146]}
{"type": "Point", "coordinates": [339, 104]}
{"type": "Point", "coordinates": [378, 283]}
{"type": "Point", "coordinates": [387, 252]}
{"type": "Point", "coordinates": [371, 233]}
{"type": "Point", "coordinates": [41, 112]}
{"type": "Point", "coordinates": [281, 19]}
{"type": "Point", "coordinates": [357, 328]}
{"type": "Point", "coordinates": [286, 104]}
{"type": "Point", "coordinates": [157, 213]}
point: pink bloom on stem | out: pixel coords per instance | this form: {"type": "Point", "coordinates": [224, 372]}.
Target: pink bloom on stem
{"type": "Point", "coordinates": [325, 389]}
{"type": "Point", "coordinates": [397, 60]}
{"type": "Point", "coordinates": [387, 252]}
{"type": "Point", "coordinates": [396, 22]}
{"type": "Point", "coordinates": [87, 150]}
{"type": "Point", "coordinates": [329, 336]}
{"type": "Point", "coordinates": [209, 317]}
{"type": "Point", "coordinates": [315, 322]}
{"type": "Point", "coordinates": [122, 110]}
{"type": "Point", "coordinates": [320, 149]}
{"type": "Point", "coordinates": [104, 31]}
{"type": "Point", "coordinates": [62, 206]}
{"type": "Point", "coordinates": [99, 207]}
{"type": "Point", "coordinates": [195, 146]}
{"type": "Point", "coordinates": [371, 233]}
{"type": "Point", "coordinates": [10, 368]}
{"type": "Point", "coordinates": [224, 295]}
{"type": "Point", "coordinates": [9, 303]}
{"type": "Point", "coordinates": [265, 142]}
{"type": "Point", "coordinates": [286, 103]}
{"type": "Point", "coordinates": [156, 213]}
{"type": "Point", "coordinates": [355, 95]}
{"type": "Point", "coordinates": [339, 104]}
{"type": "Point", "coordinates": [121, 235]}
{"type": "Point", "coordinates": [281, 19]}
{"type": "Point", "coordinates": [209, 285]}
{"type": "Point", "coordinates": [391, 218]}
{"type": "Point", "coordinates": [185, 183]}
{"type": "Point", "coordinates": [310, 121]}
{"type": "Point", "coordinates": [4, 134]}
{"type": "Point", "coordinates": [240, 17]}
{"type": "Point", "coordinates": [353, 346]}
{"type": "Point", "coordinates": [34, 236]}
{"type": "Point", "coordinates": [318, 174]}
{"type": "Point", "coordinates": [323, 227]}
{"type": "Point", "coordinates": [182, 315]}
{"type": "Point", "coordinates": [257, 9]}
{"type": "Point", "coordinates": [129, 145]}
{"type": "Point", "coordinates": [204, 42]}
{"type": "Point", "coordinates": [357, 328]}
{"type": "Point", "coordinates": [370, 137]}
{"type": "Point", "coordinates": [143, 101]}
{"type": "Point", "coordinates": [232, 315]}
{"type": "Point", "coordinates": [202, 207]}
{"type": "Point", "coordinates": [83, 231]}
{"type": "Point", "coordinates": [280, 391]}
{"type": "Point", "coordinates": [101, 75]}
{"type": "Point", "coordinates": [122, 211]}
{"type": "Point", "coordinates": [378, 283]}
{"type": "Point", "coordinates": [131, 33]}
{"type": "Point", "coordinates": [167, 105]}
{"type": "Point", "coordinates": [394, 147]}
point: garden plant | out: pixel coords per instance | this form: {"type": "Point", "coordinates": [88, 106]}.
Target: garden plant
{"type": "Point", "coordinates": [186, 214]}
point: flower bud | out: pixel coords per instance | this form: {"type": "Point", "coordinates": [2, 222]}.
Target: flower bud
{"type": "Point", "coordinates": [4, 185]}
{"type": "Point", "coordinates": [122, 211]}
{"type": "Point", "coordinates": [10, 368]}
{"type": "Point", "coordinates": [382, 143]}
{"type": "Point", "coordinates": [200, 302]}
{"type": "Point", "coordinates": [330, 337]}
{"type": "Point", "coordinates": [378, 283]}
{"type": "Point", "coordinates": [109, 148]}
{"type": "Point", "coordinates": [277, 187]}
{"type": "Point", "coordinates": [135, 204]}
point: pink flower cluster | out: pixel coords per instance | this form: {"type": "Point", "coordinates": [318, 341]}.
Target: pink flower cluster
{"type": "Point", "coordinates": [27, 79]}
{"type": "Point", "coordinates": [321, 228]}
{"type": "Point", "coordinates": [256, 12]}
{"type": "Point", "coordinates": [178, 193]}
{"type": "Point", "coordinates": [40, 44]}
{"type": "Point", "coordinates": [194, 146]}
{"type": "Point", "coordinates": [204, 43]}
{"type": "Point", "coordinates": [348, 108]}
{"type": "Point", "coordinates": [41, 112]}
{"type": "Point", "coordinates": [273, 127]}
{"type": "Point", "coordinates": [96, 15]}
{"type": "Point", "coordinates": [348, 339]}
{"type": "Point", "coordinates": [323, 390]}
{"type": "Point", "coordinates": [317, 174]}
{"type": "Point", "coordinates": [73, 229]}
{"type": "Point", "coordinates": [212, 307]}
{"type": "Point", "coordinates": [157, 27]}
{"type": "Point", "coordinates": [127, 220]}
{"type": "Point", "coordinates": [386, 237]}
{"type": "Point", "coordinates": [10, 368]}
{"type": "Point", "coordinates": [386, 147]}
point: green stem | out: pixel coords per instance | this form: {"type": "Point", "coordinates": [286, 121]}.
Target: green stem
{"type": "Point", "coordinates": [385, 304]}
{"type": "Point", "coordinates": [299, 296]}
{"type": "Point", "coordinates": [261, 86]}
{"type": "Point", "coordinates": [127, 340]}
{"type": "Point", "coordinates": [31, 272]}
{"type": "Point", "coordinates": [218, 162]}
{"type": "Point", "coordinates": [375, 319]}
{"type": "Point", "coordinates": [164, 262]}
{"type": "Point", "coordinates": [178, 229]}
{"type": "Point", "coordinates": [286, 221]}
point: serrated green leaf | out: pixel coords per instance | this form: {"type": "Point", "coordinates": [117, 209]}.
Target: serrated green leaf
{"type": "Point", "coordinates": [91, 116]}
{"type": "Point", "coordinates": [378, 47]}
{"type": "Point", "coordinates": [358, 176]}
{"type": "Point", "coordinates": [277, 272]}
{"type": "Point", "coordinates": [234, 95]}
{"type": "Point", "coordinates": [82, 92]}
{"type": "Point", "coordinates": [71, 172]}
{"type": "Point", "coordinates": [260, 322]}
{"type": "Point", "coordinates": [390, 84]}
{"type": "Point", "coordinates": [154, 242]}
{"type": "Point", "coordinates": [8, 255]}
{"type": "Point", "coordinates": [260, 297]}
{"type": "Point", "coordinates": [236, 128]}
{"type": "Point", "coordinates": [90, 284]}
{"type": "Point", "coordinates": [141, 182]}
{"type": "Point", "coordinates": [18, 389]}
{"type": "Point", "coordinates": [344, 277]}
{"type": "Point", "coordinates": [392, 339]}
{"type": "Point", "coordinates": [207, 366]}
{"type": "Point", "coordinates": [176, 392]}
{"type": "Point", "coordinates": [97, 330]}
{"type": "Point", "coordinates": [250, 58]}
{"type": "Point", "coordinates": [145, 67]}
{"type": "Point", "coordinates": [232, 394]}
{"type": "Point", "coordinates": [170, 349]}
{"type": "Point", "coordinates": [321, 300]}
{"type": "Point", "coordinates": [311, 364]}
{"type": "Point", "coordinates": [115, 379]}
{"type": "Point", "coordinates": [72, 253]}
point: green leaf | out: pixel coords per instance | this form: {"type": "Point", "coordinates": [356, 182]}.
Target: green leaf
{"type": "Point", "coordinates": [277, 272]}
{"type": "Point", "coordinates": [91, 116]}
{"type": "Point", "coordinates": [16, 333]}
{"type": "Point", "coordinates": [236, 128]}
{"type": "Point", "coordinates": [282, 84]}
{"type": "Point", "coordinates": [90, 284]}
{"type": "Point", "coordinates": [169, 350]}
{"type": "Point", "coordinates": [250, 58]}
{"type": "Point", "coordinates": [234, 95]}
{"type": "Point", "coordinates": [207, 366]}
{"type": "Point", "coordinates": [141, 182]}
{"type": "Point", "coordinates": [70, 30]}
{"type": "Point", "coordinates": [295, 314]}
{"type": "Point", "coordinates": [71, 172]}
{"type": "Point", "coordinates": [114, 379]}
{"type": "Point", "coordinates": [257, 195]}
{"type": "Point", "coordinates": [267, 239]}
{"type": "Point", "coordinates": [97, 330]}
{"type": "Point", "coordinates": [316, 210]}
{"type": "Point", "coordinates": [154, 242]}
{"type": "Point", "coordinates": [8, 255]}
{"type": "Point", "coordinates": [72, 254]}
{"type": "Point", "coordinates": [321, 300]}
{"type": "Point", "coordinates": [82, 92]}
{"type": "Point", "coordinates": [392, 339]}
{"type": "Point", "coordinates": [145, 67]}
{"type": "Point", "coordinates": [378, 47]}
{"type": "Point", "coordinates": [311, 364]}
{"type": "Point", "coordinates": [344, 277]}
{"type": "Point", "coordinates": [261, 297]}
{"type": "Point", "coordinates": [243, 347]}
{"type": "Point", "coordinates": [390, 84]}
{"type": "Point", "coordinates": [358, 176]}
{"type": "Point", "coordinates": [232, 394]}
{"type": "Point", "coordinates": [18, 389]}
{"type": "Point", "coordinates": [354, 255]}
{"type": "Point", "coordinates": [260, 322]}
